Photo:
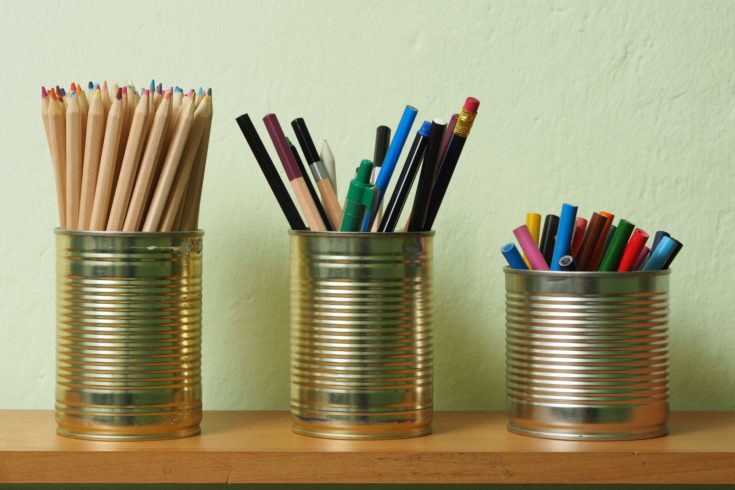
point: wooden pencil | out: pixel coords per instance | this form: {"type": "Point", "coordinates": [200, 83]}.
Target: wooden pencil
{"type": "Point", "coordinates": [170, 166]}
{"type": "Point", "coordinates": [190, 214]}
{"type": "Point", "coordinates": [92, 152]}
{"type": "Point", "coordinates": [200, 120]}
{"type": "Point", "coordinates": [45, 98]}
{"type": "Point", "coordinates": [129, 166]}
{"type": "Point", "coordinates": [144, 181]}
{"type": "Point", "coordinates": [74, 160]}
{"type": "Point", "coordinates": [106, 100]}
{"type": "Point", "coordinates": [108, 162]}
{"type": "Point", "coordinates": [56, 121]}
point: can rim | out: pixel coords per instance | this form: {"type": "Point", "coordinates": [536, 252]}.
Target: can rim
{"type": "Point", "coordinates": [129, 234]}
{"type": "Point", "coordinates": [522, 272]}
{"type": "Point", "coordinates": [362, 234]}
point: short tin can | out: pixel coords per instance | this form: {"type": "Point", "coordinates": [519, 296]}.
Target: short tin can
{"type": "Point", "coordinates": [128, 342]}
{"type": "Point", "coordinates": [587, 354]}
{"type": "Point", "coordinates": [361, 334]}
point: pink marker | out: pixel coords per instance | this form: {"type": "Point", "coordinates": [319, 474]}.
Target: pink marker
{"type": "Point", "coordinates": [530, 250]}
{"type": "Point", "coordinates": [641, 258]}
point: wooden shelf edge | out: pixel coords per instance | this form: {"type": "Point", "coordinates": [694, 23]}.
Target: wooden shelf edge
{"type": "Point", "coordinates": [467, 448]}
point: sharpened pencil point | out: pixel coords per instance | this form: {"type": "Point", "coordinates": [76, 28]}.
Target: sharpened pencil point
{"type": "Point", "coordinates": [44, 94]}
{"type": "Point", "coordinates": [124, 90]}
{"type": "Point", "coordinates": [209, 91]}
{"type": "Point", "coordinates": [191, 93]}
{"type": "Point", "coordinates": [147, 92]}
{"type": "Point", "coordinates": [119, 93]}
{"type": "Point", "coordinates": [167, 95]}
{"type": "Point", "coordinates": [90, 86]}
{"type": "Point", "coordinates": [159, 88]}
{"type": "Point", "coordinates": [152, 86]}
{"type": "Point", "coordinates": [63, 92]}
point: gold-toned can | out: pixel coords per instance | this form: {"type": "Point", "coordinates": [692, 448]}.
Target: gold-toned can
{"type": "Point", "coordinates": [587, 354]}
{"type": "Point", "coordinates": [361, 334]}
{"type": "Point", "coordinates": [128, 350]}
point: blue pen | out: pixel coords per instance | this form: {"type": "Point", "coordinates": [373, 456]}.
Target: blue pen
{"type": "Point", "coordinates": [660, 255]}
{"type": "Point", "coordinates": [513, 256]}
{"type": "Point", "coordinates": [563, 245]}
{"type": "Point", "coordinates": [390, 161]}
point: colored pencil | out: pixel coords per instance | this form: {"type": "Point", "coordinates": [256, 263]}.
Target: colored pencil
{"type": "Point", "coordinates": [310, 187]}
{"type": "Point", "coordinates": [108, 163]}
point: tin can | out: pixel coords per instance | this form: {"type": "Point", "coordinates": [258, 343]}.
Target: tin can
{"type": "Point", "coordinates": [361, 335]}
{"type": "Point", "coordinates": [587, 354]}
{"type": "Point", "coordinates": [128, 351]}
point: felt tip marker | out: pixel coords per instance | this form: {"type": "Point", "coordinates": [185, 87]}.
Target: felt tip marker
{"type": "Point", "coordinates": [513, 256]}
{"type": "Point", "coordinates": [563, 244]}
{"type": "Point", "coordinates": [660, 255]}
{"type": "Point", "coordinates": [523, 235]}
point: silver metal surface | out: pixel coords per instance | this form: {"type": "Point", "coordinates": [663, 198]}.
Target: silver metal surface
{"type": "Point", "coordinates": [587, 354]}
{"type": "Point", "coordinates": [128, 353]}
{"type": "Point", "coordinates": [361, 336]}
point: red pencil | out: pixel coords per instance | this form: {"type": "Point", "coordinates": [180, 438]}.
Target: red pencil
{"type": "Point", "coordinates": [630, 254]}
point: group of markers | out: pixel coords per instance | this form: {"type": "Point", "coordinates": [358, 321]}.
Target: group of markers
{"type": "Point", "coordinates": [568, 243]}
{"type": "Point", "coordinates": [435, 150]}
{"type": "Point", "coordinates": [127, 160]}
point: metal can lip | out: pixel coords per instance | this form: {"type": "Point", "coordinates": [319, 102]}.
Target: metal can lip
{"type": "Point", "coordinates": [585, 274]}
{"type": "Point", "coordinates": [361, 234]}
{"type": "Point", "coordinates": [129, 234]}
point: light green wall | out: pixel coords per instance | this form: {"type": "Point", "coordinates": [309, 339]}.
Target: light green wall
{"type": "Point", "coordinates": [625, 106]}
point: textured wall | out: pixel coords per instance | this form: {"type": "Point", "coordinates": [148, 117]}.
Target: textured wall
{"type": "Point", "coordinates": [625, 106]}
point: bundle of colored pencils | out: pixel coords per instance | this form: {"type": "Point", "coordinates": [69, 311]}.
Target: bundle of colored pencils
{"type": "Point", "coordinates": [127, 160]}
{"type": "Point", "coordinates": [568, 243]}
{"type": "Point", "coordinates": [435, 151]}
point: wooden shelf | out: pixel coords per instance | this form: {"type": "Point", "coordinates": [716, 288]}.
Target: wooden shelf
{"type": "Point", "coordinates": [466, 447]}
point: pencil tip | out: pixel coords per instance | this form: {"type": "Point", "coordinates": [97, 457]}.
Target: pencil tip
{"type": "Point", "coordinates": [147, 92]}
{"type": "Point", "coordinates": [90, 86]}
{"type": "Point", "coordinates": [209, 91]}
{"type": "Point", "coordinates": [124, 90]}
{"type": "Point", "coordinates": [44, 94]}
{"type": "Point", "coordinates": [104, 85]}
{"type": "Point", "coordinates": [63, 92]}
{"type": "Point", "coordinates": [118, 95]}
{"type": "Point", "coordinates": [191, 93]}
{"type": "Point", "coordinates": [167, 95]}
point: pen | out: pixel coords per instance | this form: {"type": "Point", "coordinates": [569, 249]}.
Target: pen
{"type": "Point", "coordinates": [632, 250]}
{"type": "Point", "coordinates": [530, 249]}
{"type": "Point", "coordinates": [426, 178]}
{"type": "Point", "coordinates": [391, 159]}
{"type": "Point", "coordinates": [461, 131]}
{"type": "Point", "coordinates": [614, 252]}
{"type": "Point", "coordinates": [309, 186]}
{"type": "Point", "coordinates": [293, 173]}
{"type": "Point", "coordinates": [319, 172]}
{"type": "Point", "coordinates": [660, 254]}
{"type": "Point", "coordinates": [563, 243]}
{"type": "Point", "coordinates": [271, 174]}
{"type": "Point", "coordinates": [405, 180]}
{"type": "Point", "coordinates": [548, 237]}
{"type": "Point", "coordinates": [361, 197]}
{"type": "Point", "coordinates": [511, 254]}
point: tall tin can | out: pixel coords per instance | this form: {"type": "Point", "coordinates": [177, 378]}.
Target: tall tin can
{"type": "Point", "coordinates": [587, 354]}
{"type": "Point", "coordinates": [128, 350]}
{"type": "Point", "coordinates": [361, 334]}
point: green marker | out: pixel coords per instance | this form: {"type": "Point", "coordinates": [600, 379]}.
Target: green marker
{"type": "Point", "coordinates": [614, 252]}
{"type": "Point", "coordinates": [360, 198]}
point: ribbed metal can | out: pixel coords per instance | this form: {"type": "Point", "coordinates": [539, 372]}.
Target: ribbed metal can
{"type": "Point", "coordinates": [128, 350]}
{"type": "Point", "coordinates": [361, 334]}
{"type": "Point", "coordinates": [587, 354]}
